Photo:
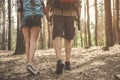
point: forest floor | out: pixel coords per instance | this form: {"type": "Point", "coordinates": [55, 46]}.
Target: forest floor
{"type": "Point", "coordinates": [87, 64]}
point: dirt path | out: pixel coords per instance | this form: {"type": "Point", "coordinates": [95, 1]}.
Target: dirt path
{"type": "Point", "coordinates": [87, 64]}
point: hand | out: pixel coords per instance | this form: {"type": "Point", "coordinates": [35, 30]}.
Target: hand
{"type": "Point", "coordinates": [49, 20]}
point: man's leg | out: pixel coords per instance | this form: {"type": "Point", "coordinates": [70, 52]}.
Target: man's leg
{"type": "Point", "coordinates": [58, 28]}
{"type": "Point", "coordinates": [67, 50]}
{"type": "Point", "coordinates": [68, 54]}
{"type": "Point", "coordinates": [69, 34]}
{"type": "Point", "coordinates": [58, 47]}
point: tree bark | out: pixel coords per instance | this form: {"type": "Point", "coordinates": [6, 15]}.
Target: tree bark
{"type": "Point", "coordinates": [88, 25]}
{"type": "Point", "coordinates": [20, 44]}
{"type": "Point", "coordinates": [9, 19]}
{"type": "Point", "coordinates": [50, 41]}
{"type": "Point", "coordinates": [96, 22]}
{"type": "Point", "coordinates": [108, 23]}
{"type": "Point", "coordinates": [85, 37]}
{"type": "Point", "coordinates": [114, 22]}
{"type": "Point", "coordinates": [3, 46]}
{"type": "Point", "coordinates": [117, 22]}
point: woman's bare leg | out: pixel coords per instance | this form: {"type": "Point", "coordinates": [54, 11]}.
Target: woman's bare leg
{"type": "Point", "coordinates": [26, 33]}
{"type": "Point", "coordinates": [33, 42]}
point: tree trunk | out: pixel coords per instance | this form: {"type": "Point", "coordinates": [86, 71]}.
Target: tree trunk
{"type": "Point", "coordinates": [85, 36]}
{"type": "Point", "coordinates": [44, 36]}
{"type": "Point", "coordinates": [75, 39]}
{"type": "Point", "coordinates": [114, 22]}
{"type": "Point", "coordinates": [41, 45]}
{"type": "Point", "coordinates": [3, 46]}
{"type": "Point", "coordinates": [88, 25]}
{"type": "Point", "coordinates": [108, 23]}
{"type": "Point", "coordinates": [0, 24]}
{"type": "Point", "coordinates": [20, 44]}
{"type": "Point", "coordinates": [96, 22]}
{"type": "Point", "coordinates": [117, 22]}
{"type": "Point", "coordinates": [50, 41]}
{"type": "Point", "coordinates": [81, 33]}
{"type": "Point", "coordinates": [9, 19]}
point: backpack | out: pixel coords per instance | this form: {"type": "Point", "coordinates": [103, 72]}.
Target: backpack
{"type": "Point", "coordinates": [32, 8]}
{"type": "Point", "coordinates": [64, 4]}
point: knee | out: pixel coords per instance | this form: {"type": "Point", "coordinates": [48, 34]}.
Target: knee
{"type": "Point", "coordinates": [33, 41]}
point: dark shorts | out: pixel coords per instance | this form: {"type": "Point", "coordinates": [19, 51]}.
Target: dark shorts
{"type": "Point", "coordinates": [63, 26]}
{"type": "Point", "coordinates": [31, 21]}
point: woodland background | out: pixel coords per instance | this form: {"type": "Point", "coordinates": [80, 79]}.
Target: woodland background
{"type": "Point", "coordinates": [99, 26]}
{"type": "Point", "coordinates": [96, 47]}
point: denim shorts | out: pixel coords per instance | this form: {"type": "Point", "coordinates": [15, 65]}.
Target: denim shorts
{"type": "Point", "coordinates": [63, 26]}
{"type": "Point", "coordinates": [31, 21]}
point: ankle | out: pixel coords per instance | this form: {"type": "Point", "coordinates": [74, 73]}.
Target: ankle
{"type": "Point", "coordinates": [30, 63]}
{"type": "Point", "coordinates": [59, 61]}
{"type": "Point", "coordinates": [67, 63]}
{"type": "Point", "coordinates": [67, 66]}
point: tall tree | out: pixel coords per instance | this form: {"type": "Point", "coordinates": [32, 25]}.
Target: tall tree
{"type": "Point", "coordinates": [85, 37]}
{"type": "Point", "coordinates": [96, 22]}
{"type": "Point", "coordinates": [9, 19]}
{"type": "Point", "coordinates": [114, 22]}
{"type": "Point", "coordinates": [20, 45]}
{"type": "Point", "coordinates": [81, 36]}
{"type": "Point", "coordinates": [108, 23]}
{"type": "Point", "coordinates": [3, 46]}
{"type": "Point", "coordinates": [88, 24]}
{"type": "Point", "coordinates": [117, 22]}
{"type": "Point", "coordinates": [75, 39]}
{"type": "Point", "coordinates": [41, 40]}
{"type": "Point", "coordinates": [0, 20]}
{"type": "Point", "coordinates": [101, 26]}
{"type": "Point", "coordinates": [50, 41]}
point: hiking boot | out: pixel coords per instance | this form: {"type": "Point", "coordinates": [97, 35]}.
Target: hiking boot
{"type": "Point", "coordinates": [59, 67]}
{"type": "Point", "coordinates": [67, 66]}
{"type": "Point", "coordinates": [31, 70]}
